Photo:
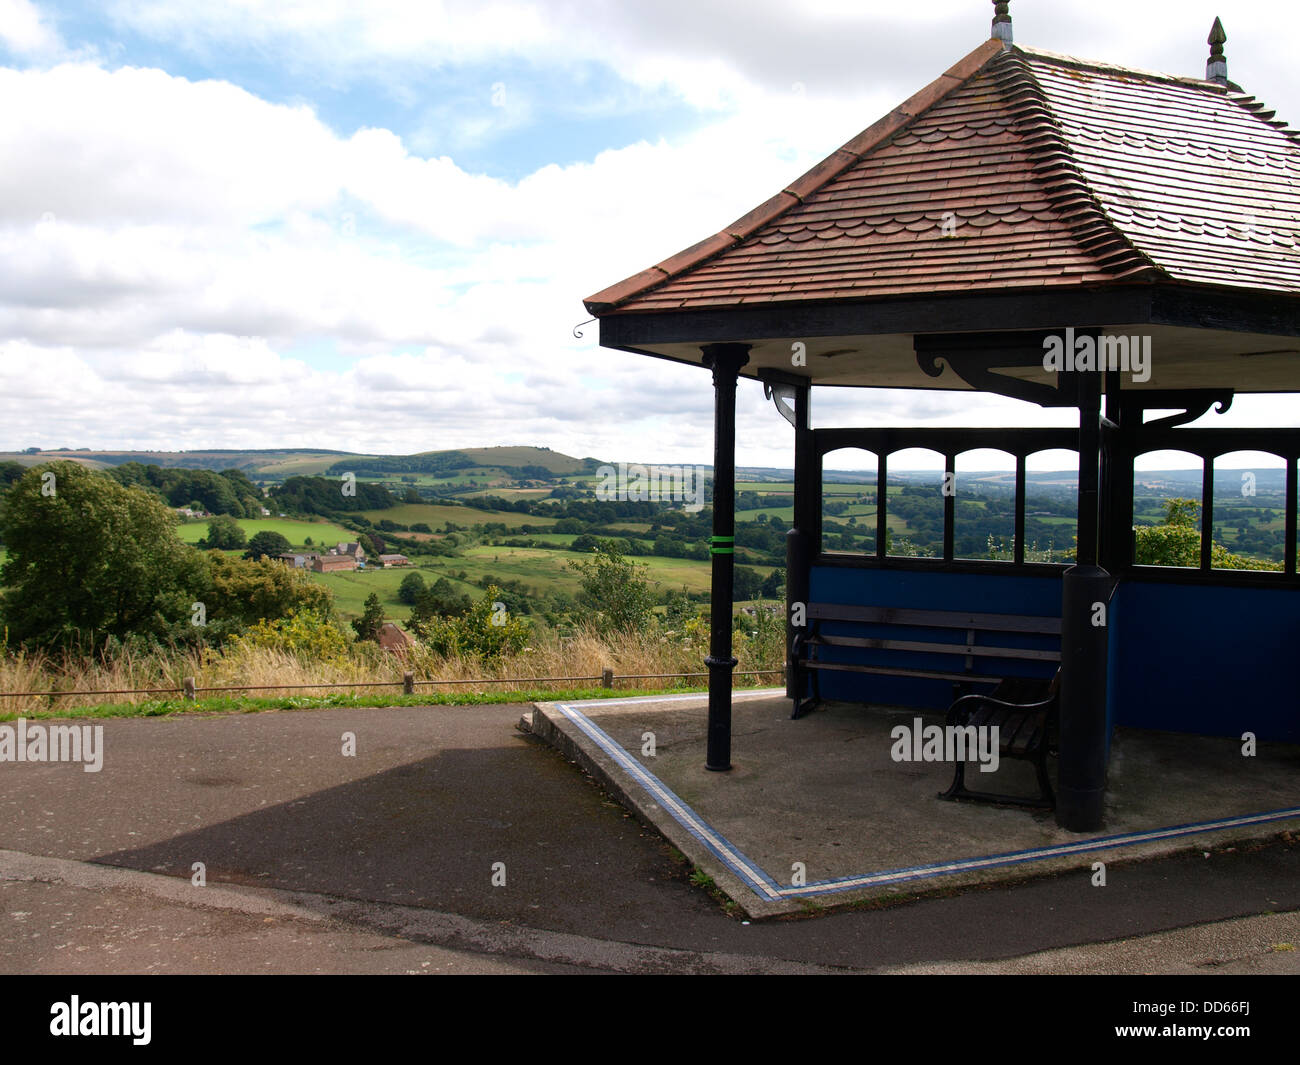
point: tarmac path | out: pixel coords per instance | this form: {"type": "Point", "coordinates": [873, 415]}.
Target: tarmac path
{"type": "Point", "coordinates": [385, 861]}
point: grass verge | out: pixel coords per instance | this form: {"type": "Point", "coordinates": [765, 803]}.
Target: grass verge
{"type": "Point", "coordinates": [253, 705]}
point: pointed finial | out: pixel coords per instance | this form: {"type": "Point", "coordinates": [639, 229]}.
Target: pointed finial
{"type": "Point", "coordinates": [1216, 67]}
{"type": "Point", "coordinates": [1002, 22]}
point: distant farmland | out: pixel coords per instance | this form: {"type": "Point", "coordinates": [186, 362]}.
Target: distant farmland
{"type": "Point", "coordinates": [321, 532]}
{"type": "Point", "coordinates": [435, 515]}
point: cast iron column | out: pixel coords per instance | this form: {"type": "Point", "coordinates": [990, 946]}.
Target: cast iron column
{"type": "Point", "coordinates": [725, 360]}
{"type": "Point", "coordinates": [1085, 624]}
{"type": "Point", "coordinates": [798, 539]}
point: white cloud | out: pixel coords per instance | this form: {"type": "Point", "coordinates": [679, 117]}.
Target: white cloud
{"type": "Point", "coordinates": [25, 32]}
{"type": "Point", "coordinates": [170, 245]}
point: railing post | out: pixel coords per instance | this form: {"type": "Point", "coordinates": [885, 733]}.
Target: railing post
{"type": "Point", "coordinates": [188, 685]}
{"type": "Point", "coordinates": [607, 678]}
{"type": "Point", "coordinates": [408, 683]}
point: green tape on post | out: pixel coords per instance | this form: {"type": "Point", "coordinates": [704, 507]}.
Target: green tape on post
{"type": "Point", "coordinates": [714, 541]}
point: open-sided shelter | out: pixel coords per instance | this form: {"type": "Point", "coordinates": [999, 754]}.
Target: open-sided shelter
{"type": "Point", "coordinates": [1027, 225]}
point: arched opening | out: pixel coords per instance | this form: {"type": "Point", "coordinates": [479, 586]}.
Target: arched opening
{"type": "Point", "coordinates": [1167, 496]}
{"type": "Point", "coordinates": [1051, 505]}
{"type": "Point", "coordinates": [1248, 510]}
{"type": "Point", "coordinates": [849, 501]}
{"type": "Point", "coordinates": [984, 505]}
{"type": "Point", "coordinates": [915, 504]}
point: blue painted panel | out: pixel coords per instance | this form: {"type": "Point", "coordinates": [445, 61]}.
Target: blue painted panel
{"type": "Point", "coordinates": [977, 592]}
{"type": "Point", "coordinates": [1216, 661]}
{"type": "Point", "coordinates": [1210, 660]}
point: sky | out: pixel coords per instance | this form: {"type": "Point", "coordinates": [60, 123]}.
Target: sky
{"type": "Point", "coordinates": [369, 226]}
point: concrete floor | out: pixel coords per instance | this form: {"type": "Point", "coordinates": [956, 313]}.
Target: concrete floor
{"type": "Point", "coordinates": [824, 792]}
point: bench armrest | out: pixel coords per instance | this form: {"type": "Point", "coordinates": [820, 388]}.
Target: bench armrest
{"type": "Point", "coordinates": [968, 704]}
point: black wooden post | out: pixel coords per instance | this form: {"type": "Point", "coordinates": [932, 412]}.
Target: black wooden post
{"type": "Point", "coordinates": [725, 360]}
{"type": "Point", "coordinates": [798, 545]}
{"type": "Point", "coordinates": [1085, 625]}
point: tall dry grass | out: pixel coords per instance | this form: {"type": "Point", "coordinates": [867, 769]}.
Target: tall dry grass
{"type": "Point", "coordinates": [582, 656]}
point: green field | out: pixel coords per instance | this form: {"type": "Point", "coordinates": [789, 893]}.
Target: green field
{"type": "Point", "coordinates": [435, 515]}
{"type": "Point", "coordinates": [321, 532]}
{"type": "Point", "coordinates": [523, 456]}
{"type": "Point", "coordinates": [534, 494]}
{"type": "Point", "coordinates": [786, 514]}
{"type": "Point", "coordinates": [544, 568]}
{"type": "Point", "coordinates": [776, 488]}
{"type": "Point", "coordinates": [300, 465]}
{"type": "Point", "coordinates": [350, 588]}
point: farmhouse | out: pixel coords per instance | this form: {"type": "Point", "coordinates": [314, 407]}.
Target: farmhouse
{"type": "Point", "coordinates": [353, 550]}
{"type": "Point", "coordinates": [333, 563]}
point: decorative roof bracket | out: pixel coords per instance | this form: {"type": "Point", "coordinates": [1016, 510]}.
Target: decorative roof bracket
{"type": "Point", "coordinates": [781, 388]}
{"type": "Point", "coordinates": [1193, 401]}
{"type": "Point", "coordinates": [974, 356]}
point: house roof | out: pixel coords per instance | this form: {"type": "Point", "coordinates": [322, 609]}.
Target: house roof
{"type": "Point", "coordinates": [1017, 169]}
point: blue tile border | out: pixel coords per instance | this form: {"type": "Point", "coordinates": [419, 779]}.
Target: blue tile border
{"type": "Point", "coordinates": [764, 886]}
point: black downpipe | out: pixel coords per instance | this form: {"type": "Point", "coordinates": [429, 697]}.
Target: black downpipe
{"type": "Point", "coordinates": [1085, 625]}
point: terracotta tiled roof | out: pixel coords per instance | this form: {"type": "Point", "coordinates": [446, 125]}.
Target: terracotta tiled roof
{"type": "Point", "coordinates": [1017, 168]}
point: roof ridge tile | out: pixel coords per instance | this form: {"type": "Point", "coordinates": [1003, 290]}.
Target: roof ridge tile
{"type": "Point", "coordinates": [1057, 169]}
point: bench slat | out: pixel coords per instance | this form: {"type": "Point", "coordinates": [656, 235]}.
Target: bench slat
{"type": "Point", "coordinates": [935, 619]}
{"type": "Point", "coordinates": [1025, 653]}
{"type": "Point", "coordinates": [925, 674]}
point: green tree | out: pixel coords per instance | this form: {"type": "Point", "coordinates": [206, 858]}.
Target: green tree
{"type": "Point", "coordinates": [745, 584]}
{"type": "Point", "coordinates": [90, 558]}
{"type": "Point", "coordinates": [774, 585]}
{"type": "Point", "coordinates": [224, 534]}
{"type": "Point", "coordinates": [410, 588]}
{"type": "Point", "coordinates": [307, 635]}
{"type": "Point", "coordinates": [1178, 542]}
{"type": "Point", "coordinates": [241, 592]}
{"type": "Point", "coordinates": [433, 604]}
{"type": "Point", "coordinates": [486, 631]}
{"type": "Point", "coordinates": [265, 544]}
{"type": "Point", "coordinates": [678, 609]}
{"type": "Point", "coordinates": [615, 591]}
{"type": "Point", "coordinates": [371, 621]}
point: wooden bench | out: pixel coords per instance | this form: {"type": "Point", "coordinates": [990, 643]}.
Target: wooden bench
{"type": "Point", "coordinates": [1025, 720]}
{"type": "Point", "coordinates": [972, 638]}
